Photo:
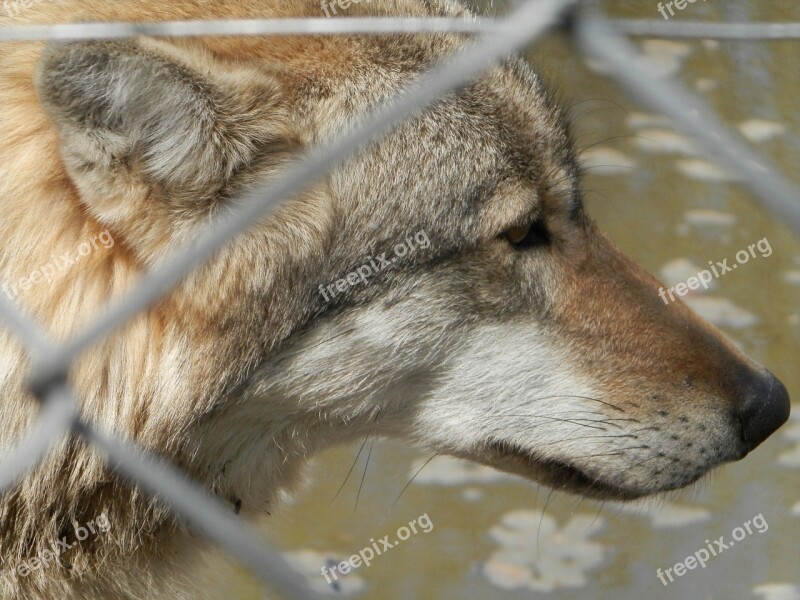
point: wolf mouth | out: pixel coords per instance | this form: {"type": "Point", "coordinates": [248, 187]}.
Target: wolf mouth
{"type": "Point", "coordinates": [558, 474]}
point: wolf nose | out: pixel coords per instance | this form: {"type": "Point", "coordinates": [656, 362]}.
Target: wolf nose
{"type": "Point", "coordinates": [765, 408]}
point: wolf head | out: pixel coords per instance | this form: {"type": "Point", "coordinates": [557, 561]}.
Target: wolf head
{"type": "Point", "coordinates": [508, 330]}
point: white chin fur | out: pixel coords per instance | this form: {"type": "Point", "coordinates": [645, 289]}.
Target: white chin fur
{"type": "Point", "coordinates": [508, 382]}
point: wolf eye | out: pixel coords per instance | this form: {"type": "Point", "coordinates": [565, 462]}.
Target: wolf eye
{"type": "Point", "coordinates": [529, 236]}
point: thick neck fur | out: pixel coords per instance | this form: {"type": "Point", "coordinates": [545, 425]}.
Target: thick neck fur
{"type": "Point", "coordinates": [157, 380]}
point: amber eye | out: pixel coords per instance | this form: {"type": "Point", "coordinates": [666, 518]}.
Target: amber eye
{"type": "Point", "coordinates": [515, 235]}
{"type": "Point", "coordinates": [528, 236]}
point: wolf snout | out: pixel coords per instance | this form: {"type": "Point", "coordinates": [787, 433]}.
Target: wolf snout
{"type": "Point", "coordinates": [765, 408]}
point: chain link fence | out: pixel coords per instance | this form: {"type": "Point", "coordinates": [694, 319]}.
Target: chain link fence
{"type": "Point", "coordinates": [592, 33]}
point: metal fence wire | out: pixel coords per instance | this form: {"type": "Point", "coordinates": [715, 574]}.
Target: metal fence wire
{"type": "Point", "coordinates": [593, 34]}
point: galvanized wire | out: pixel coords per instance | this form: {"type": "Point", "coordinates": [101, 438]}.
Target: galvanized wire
{"type": "Point", "coordinates": [51, 362]}
{"type": "Point", "coordinates": [716, 31]}
{"type": "Point", "coordinates": [377, 26]}
{"type": "Point", "coordinates": [247, 27]}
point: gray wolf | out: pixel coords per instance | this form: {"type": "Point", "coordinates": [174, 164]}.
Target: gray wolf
{"type": "Point", "coordinates": [520, 337]}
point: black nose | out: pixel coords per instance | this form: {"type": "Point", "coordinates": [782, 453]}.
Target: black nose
{"type": "Point", "coordinates": [766, 407]}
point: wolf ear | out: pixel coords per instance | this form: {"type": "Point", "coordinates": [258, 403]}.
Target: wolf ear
{"type": "Point", "coordinates": [172, 120]}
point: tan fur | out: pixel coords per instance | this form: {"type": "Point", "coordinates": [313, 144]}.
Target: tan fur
{"type": "Point", "coordinates": [244, 371]}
